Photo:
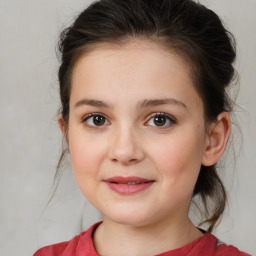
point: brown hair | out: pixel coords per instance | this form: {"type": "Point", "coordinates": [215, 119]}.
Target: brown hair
{"type": "Point", "coordinates": [193, 31]}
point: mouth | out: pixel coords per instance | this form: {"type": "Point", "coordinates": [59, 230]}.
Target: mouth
{"type": "Point", "coordinates": [128, 185]}
{"type": "Point", "coordinates": [132, 180]}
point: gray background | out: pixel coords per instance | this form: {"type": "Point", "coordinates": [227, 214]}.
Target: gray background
{"type": "Point", "coordinates": [31, 142]}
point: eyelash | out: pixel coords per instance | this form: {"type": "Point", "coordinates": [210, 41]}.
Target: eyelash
{"type": "Point", "coordinates": [170, 118]}
{"type": "Point", "coordinates": [85, 119]}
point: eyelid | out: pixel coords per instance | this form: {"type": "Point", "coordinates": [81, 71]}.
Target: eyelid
{"type": "Point", "coordinates": [168, 116]}
{"type": "Point", "coordinates": [86, 117]}
{"type": "Point", "coordinates": [162, 114]}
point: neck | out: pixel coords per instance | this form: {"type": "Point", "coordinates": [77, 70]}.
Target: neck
{"type": "Point", "coordinates": [114, 239]}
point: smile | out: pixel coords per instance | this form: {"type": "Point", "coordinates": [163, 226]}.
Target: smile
{"type": "Point", "coordinates": [128, 185]}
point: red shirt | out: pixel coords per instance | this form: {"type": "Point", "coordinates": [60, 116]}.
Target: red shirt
{"type": "Point", "coordinates": [82, 245]}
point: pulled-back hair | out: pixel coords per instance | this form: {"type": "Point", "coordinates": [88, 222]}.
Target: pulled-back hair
{"type": "Point", "coordinates": [194, 32]}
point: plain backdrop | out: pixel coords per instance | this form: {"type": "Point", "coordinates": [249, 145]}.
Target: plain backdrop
{"type": "Point", "coordinates": [31, 142]}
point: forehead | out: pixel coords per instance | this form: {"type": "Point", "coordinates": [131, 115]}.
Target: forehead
{"type": "Point", "coordinates": [130, 52]}
{"type": "Point", "coordinates": [137, 67]}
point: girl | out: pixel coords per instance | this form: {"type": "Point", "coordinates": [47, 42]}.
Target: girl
{"type": "Point", "coordinates": [145, 114]}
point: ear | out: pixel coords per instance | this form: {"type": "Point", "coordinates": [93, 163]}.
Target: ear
{"type": "Point", "coordinates": [62, 124]}
{"type": "Point", "coordinates": [217, 137]}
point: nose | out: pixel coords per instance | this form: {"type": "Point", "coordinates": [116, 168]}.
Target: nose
{"type": "Point", "coordinates": [126, 147]}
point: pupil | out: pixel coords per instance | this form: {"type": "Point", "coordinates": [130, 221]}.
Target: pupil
{"type": "Point", "coordinates": [98, 120]}
{"type": "Point", "coordinates": [159, 120]}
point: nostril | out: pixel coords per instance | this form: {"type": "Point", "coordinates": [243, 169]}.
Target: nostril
{"type": "Point", "coordinates": [132, 160]}
{"type": "Point", "coordinates": [125, 161]}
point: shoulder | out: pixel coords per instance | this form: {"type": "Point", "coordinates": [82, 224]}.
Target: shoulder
{"type": "Point", "coordinates": [229, 250]}
{"type": "Point", "coordinates": [215, 247]}
{"type": "Point", "coordinates": [61, 249]}
{"type": "Point", "coordinates": [82, 242]}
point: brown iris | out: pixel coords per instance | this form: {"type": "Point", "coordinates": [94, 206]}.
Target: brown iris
{"type": "Point", "coordinates": [159, 120]}
{"type": "Point", "coordinates": [98, 120]}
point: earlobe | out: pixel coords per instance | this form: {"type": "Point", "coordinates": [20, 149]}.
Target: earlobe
{"type": "Point", "coordinates": [218, 135]}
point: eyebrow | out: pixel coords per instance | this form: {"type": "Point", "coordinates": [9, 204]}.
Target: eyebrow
{"type": "Point", "coordinates": [94, 103]}
{"type": "Point", "coordinates": [143, 104]}
{"type": "Point", "coordinates": [157, 102]}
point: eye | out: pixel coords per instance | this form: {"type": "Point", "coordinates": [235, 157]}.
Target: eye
{"type": "Point", "coordinates": [161, 120]}
{"type": "Point", "coordinates": [95, 119]}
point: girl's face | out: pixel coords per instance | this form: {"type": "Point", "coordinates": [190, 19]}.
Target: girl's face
{"type": "Point", "coordinates": [136, 132]}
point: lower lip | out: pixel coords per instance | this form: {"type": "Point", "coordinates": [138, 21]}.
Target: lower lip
{"type": "Point", "coordinates": [125, 189]}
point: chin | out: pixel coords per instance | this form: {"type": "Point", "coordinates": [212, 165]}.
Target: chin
{"type": "Point", "coordinates": [135, 219]}
{"type": "Point", "coordinates": [131, 222]}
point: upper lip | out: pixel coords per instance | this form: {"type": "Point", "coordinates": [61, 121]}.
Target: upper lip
{"type": "Point", "coordinates": [125, 180]}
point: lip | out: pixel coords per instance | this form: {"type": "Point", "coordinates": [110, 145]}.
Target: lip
{"type": "Point", "coordinates": [128, 185]}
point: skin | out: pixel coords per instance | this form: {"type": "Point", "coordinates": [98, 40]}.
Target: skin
{"type": "Point", "coordinates": [129, 143]}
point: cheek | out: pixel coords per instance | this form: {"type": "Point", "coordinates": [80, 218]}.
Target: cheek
{"type": "Point", "coordinates": [86, 154]}
{"type": "Point", "coordinates": [86, 158]}
{"type": "Point", "coordinates": [179, 158]}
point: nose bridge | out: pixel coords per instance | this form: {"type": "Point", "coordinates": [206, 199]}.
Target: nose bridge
{"type": "Point", "coordinates": [126, 147]}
